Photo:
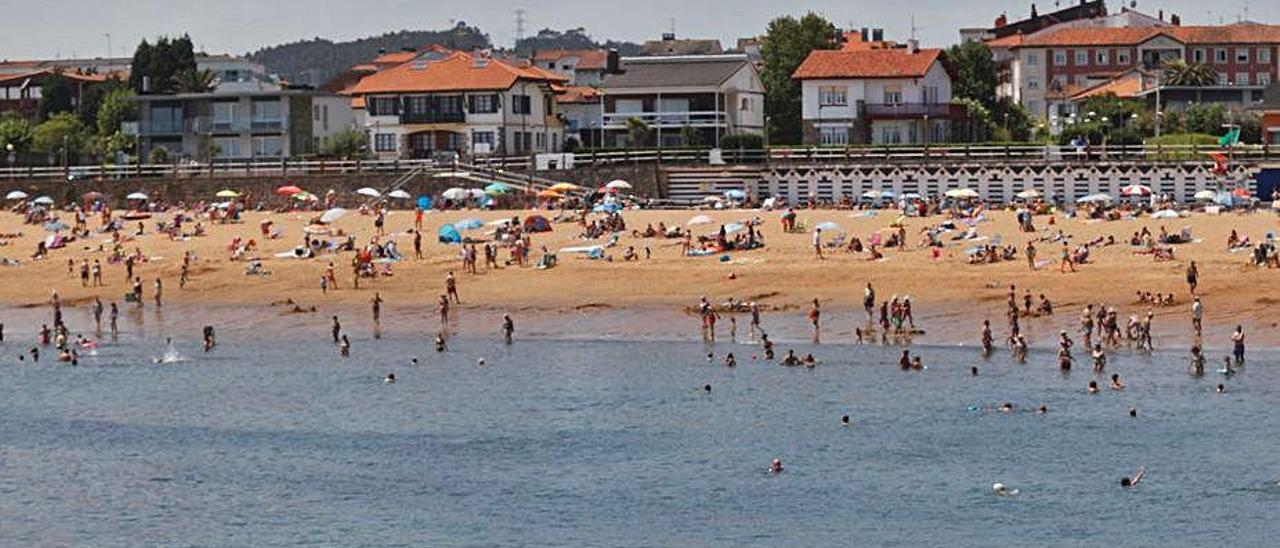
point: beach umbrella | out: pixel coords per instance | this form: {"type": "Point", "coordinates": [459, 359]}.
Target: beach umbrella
{"type": "Point", "coordinates": [288, 190]}
{"type": "Point", "coordinates": [305, 196]}
{"type": "Point", "coordinates": [549, 194]}
{"type": "Point", "coordinates": [399, 195]}
{"type": "Point", "coordinates": [93, 196]}
{"type": "Point", "coordinates": [700, 220]}
{"type": "Point", "coordinates": [137, 196]}
{"type": "Point", "coordinates": [734, 227]}
{"type": "Point", "coordinates": [565, 187]}
{"type": "Point", "coordinates": [496, 189]}
{"type": "Point", "coordinates": [911, 196]}
{"type": "Point", "coordinates": [873, 195]}
{"type": "Point", "coordinates": [1242, 193]}
{"type": "Point", "coordinates": [1165, 214]}
{"type": "Point", "coordinates": [499, 222]}
{"type": "Point", "coordinates": [1029, 194]}
{"type": "Point", "coordinates": [332, 215]}
{"type": "Point", "coordinates": [228, 193]}
{"type": "Point", "coordinates": [606, 208]}
{"type": "Point", "coordinates": [1136, 190]}
{"type": "Point", "coordinates": [618, 184]}
{"type": "Point", "coordinates": [712, 199]}
{"type": "Point", "coordinates": [735, 194]}
{"type": "Point", "coordinates": [15, 195]}
{"type": "Point", "coordinates": [424, 202]}
{"type": "Point", "coordinates": [962, 193]}
{"type": "Point", "coordinates": [478, 193]}
{"type": "Point", "coordinates": [1100, 197]}
{"type": "Point", "coordinates": [829, 226]}
{"type": "Point", "coordinates": [1206, 195]}
{"type": "Point", "coordinates": [43, 200]}
{"type": "Point", "coordinates": [468, 224]}
{"type": "Point", "coordinates": [456, 193]}
{"type": "Point", "coordinates": [366, 191]}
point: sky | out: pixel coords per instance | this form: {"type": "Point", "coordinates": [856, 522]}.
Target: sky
{"type": "Point", "coordinates": [81, 27]}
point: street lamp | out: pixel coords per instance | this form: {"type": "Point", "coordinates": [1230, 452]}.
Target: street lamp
{"type": "Point", "coordinates": [12, 156]}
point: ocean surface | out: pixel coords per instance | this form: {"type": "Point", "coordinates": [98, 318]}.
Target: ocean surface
{"type": "Point", "coordinates": [278, 441]}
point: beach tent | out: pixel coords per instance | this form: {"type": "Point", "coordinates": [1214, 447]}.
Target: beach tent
{"type": "Point", "coordinates": [735, 194]}
{"type": "Point", "coordinates": [1100, 197]}
{"type": "Point", "coordinates": [449, 235]}
{"type": "Point", "coordinates": [734, 227]}
{"type": "Point", "coordinates": [1165, 214]}
{"type": "Point", "coordinates": [537, 223]}
{"type": "Point", "coordinates": [877, 194]}
{"type": "Point", "coordinates": [424, 202]}
{"type": "Point", "coordinates": [700, 220]}
{"type": "Point", "coordinates": [912, 196]}
{"type": "Point", "coordinates": [366, 191]}
{"type": "Point", "coordinates": [606, 208]}
{"type": "Point", "coordinates": [15, 195]}
{"type": "Point", "coordinates": [399, 195]}
{"type": "Point", "coordinates": [497, 189]}
{"type": "Point", "coordinates": [962, 193]}
{"type": "Point", "coordinates": [1029, 194]}
{"type": "Point", "coordinates": [468, 224]}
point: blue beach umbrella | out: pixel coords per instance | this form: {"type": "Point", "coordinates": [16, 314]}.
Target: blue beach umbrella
{"type": "Point", "coordinates": [424, 202]}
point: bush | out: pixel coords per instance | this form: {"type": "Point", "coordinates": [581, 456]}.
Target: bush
{"type": "Point", "coordinates": [158, 155]}
{"type": "Point", "coordinates": [742, 141]}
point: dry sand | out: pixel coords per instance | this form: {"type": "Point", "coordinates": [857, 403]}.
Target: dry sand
{"type": "Point", "coordinates": [950, 296]}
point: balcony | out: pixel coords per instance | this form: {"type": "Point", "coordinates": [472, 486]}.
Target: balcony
{"type": "Point", "coordinates": [160, 127]}
{"type": "Point", "coordinates": [207, 125]}
{"type": "Point", "coordinates": [433, 117]}
{"type": "Point", "coordinates": [915, 110]}
{"type": "Point", "coordinates": [667, 120]}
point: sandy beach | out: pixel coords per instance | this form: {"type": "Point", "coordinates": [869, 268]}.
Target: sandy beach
{"type": "Point", "coordinates": [950, 296]}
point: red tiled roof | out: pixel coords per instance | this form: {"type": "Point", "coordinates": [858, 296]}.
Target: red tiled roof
{"type": "Point", "coordinates": [1124, 85]}
{"type": "Point", "coordinates": [579, 94]}
{"type": "Point", "coordinates": [588, 59]}
{"type": "Point", "coordinates": [876, 63]}
{"type": "Point", "coordinates": [457, 72]}
{"type": "Point", "coordinates": [395, 57]}
{"type": "Point", "coordinates": [1102, 36]}
{"type": "Point", "coordinates": [18, 77]}
{"type": "Point", "coordinates": [1009, 41]}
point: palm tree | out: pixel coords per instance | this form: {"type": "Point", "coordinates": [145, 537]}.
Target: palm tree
{"type": "Point", "coordinates": [1178, 72]}
{"type": "Point", "coordinates": [193, 81]}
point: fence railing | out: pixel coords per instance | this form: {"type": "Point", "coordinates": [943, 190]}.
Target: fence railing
{"type": "Point", "coordinates": [895, 154]}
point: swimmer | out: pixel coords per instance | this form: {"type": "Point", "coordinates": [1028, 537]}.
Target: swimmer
{"type": "Point", "coordinates": [1226, 367]}
{"type": "Point", "coordinates": [776, 467]}
{"type": "Point", "coordinates": [710, 357]}
{"type": "Point", "coordinates": [344, 347]}
{"type": "Point", "coordinates": [480, 362]}
{"type": "Point", "coordinates": [1093, 387]}
{"type": "Point", "coordinates": [1006, 407]}
{"type": "Point", "coordinates": [1042, 409]}
{"type": "Point", "coordinates": [1003, 491]}
{"type": "Point", "coordinates": [1135, 480]}
{"type": "Point", "coordinates": [917, 363]}
{"type": "Point", "coordinates": [1116, 383]}
{"type": "Point", "coordinates": [809, 361]}
{"type": "Point", "coordinates": [905, 361]}
{"type": "Point", "coordinates": [973, 371]}
{"type": "Point", "coordinates": [389, 379]}
{"type": "Point", "coordinates": [1133, 412]}
{"type": "Point", "coordinates": [413, 362]}
{"type": "Point", "coordinates": [706, 388]}
{"type": "Point", "coordinates": [844, 421]}
{"type": "Point", "coordinates": [730, 361]}
{"type": "Point", "coordinates": [790, 359]}
{"type": "Point", "coordinates": [1221, 388]}
{"type": "Point", "coordinates": [440, 345]}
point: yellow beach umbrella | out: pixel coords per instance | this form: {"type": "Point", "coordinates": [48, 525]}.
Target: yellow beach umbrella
{"type": "Point", "coordinates": [228, 193]}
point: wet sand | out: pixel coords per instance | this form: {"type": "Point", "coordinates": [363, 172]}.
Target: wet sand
{"type": "Point", "coordinates": [648, 299]}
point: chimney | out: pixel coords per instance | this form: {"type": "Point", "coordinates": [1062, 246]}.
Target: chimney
{"type": "Point", "coordinates": [1175, 20]}
{"type": "Point", "coordinates": [1161, 15]}
{"type": "Point", "coordinates": [877, 35]}
{"type": "Point", "coordinates": [913, 45]}
{"type": "Point", "coordinates": [1033, 11]}
{"type": "Point", "coordinates": [382, 51]}
{"type": "Point", "coordinates": [668, 36]}
{"type": "Point", "coordinates": [1002, 21]}
{"type": "Point", "coordinates": [865, 35]}
{"type": "Point", "coordinates": [611, 64]}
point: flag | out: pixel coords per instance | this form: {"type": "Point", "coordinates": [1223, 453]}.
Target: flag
{"type": "Point", "coordinates": [1230, 139]}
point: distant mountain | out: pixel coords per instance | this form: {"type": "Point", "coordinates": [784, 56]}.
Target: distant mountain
{"type": "Point", "coordinates": [313, 62]}
{"type": "Point", "coordinates": [570, 39]}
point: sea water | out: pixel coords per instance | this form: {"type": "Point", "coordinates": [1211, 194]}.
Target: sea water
{"type": "Point", "coordinates": [278, 441]}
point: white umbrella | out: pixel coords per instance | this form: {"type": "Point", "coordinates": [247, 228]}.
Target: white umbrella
{"type": "Point", "coordinates": [1206, 195]}
{"type": "Point", "coordinates": [711, 199]}
{"type": "Point", "coordinates": [15, 195]}
{"type": "Point", "coordinates": [1136, 190]}
{"type": "Point", "coordinates": [366, 191]}
{"type": "Point", "coordinates": [1165, 214]}
{"type": "Point", "coordinates": [456, 193]}
{"type": "Point", "coordinates": [1093, 198]}
{"type": "Point", "coordinates": [829, 226]}
{"type": "Point", "coordinates": [332, 215]}
{"type": "Point", "coordinates": [1029, 194]}
{"type": "Point", "coordinates": [618, 184]}
{"type": "Point", "coordinates": [873, 194]}
{"type": "Point", "coordinates": [477, 193]}
{"type": "Point", "coordinates": [499, 222]}
{"type": "Point", "coordinates": [700, 220]}
{"type": "Point", "coordinates": [399, 194]}
{"type": "Point", "coordinates": [136, 196]}
{"type": "Point", "coordinates": [962, 193]}
{"type": "Point", "coordinates": [43, 200]}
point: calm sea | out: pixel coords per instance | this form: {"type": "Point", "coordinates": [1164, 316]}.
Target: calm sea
{"type": "Point", "coordinates": [584, 443]}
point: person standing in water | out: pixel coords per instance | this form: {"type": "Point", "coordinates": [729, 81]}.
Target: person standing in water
{"type": "Point", "coordinates": [869, 302]}
{"type": "Point", "coordinates": [1197, 361]}
{"type": "Point", "coordinates": [209, 340]}
{"type": "Point", "coordinates": [159, 289]}
{"type": "Point", "coordinates": [376, 303]}
{"type": "Point", "coordinates": [97, 315]}
{"type": "Point", "coordinates": [344, 347]}
{"type": "Point", "coordinates": [815, 314]}
{"type": "Point", "coordinates": [508, 328]}
{"type": "Point", "coordinates": [115, 316]}
{"type": "Point", "coordinates": [451, 287]}
{"type": "Point", "coordinates": [1197, 313]}
{"type": "Point", "coordinates": [1237, 344]}
{"type": "Point", "coordinates": [444, 310]}
{"type": "Point", "coordinates": [337, 330]}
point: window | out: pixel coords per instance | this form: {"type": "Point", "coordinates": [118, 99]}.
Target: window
{"type": "Point", "coordinates": [224, 114]}
{"type": "Point", "coordinates": [417, 104]}
{"type": "Point", "coordinates": [266, 111]}
{"type": "Point", "coordinates": [1220, 55]}
{"type": "Point", "coordinates": [1122, 57]}
{"type": "Point", "coordinates": [226, 147]}
{"type": "Point", "coordinates": [1242, 79]}
{"type": "Point", "coordinates": [451, 104]}
{"type": "Point", "coordinates": [1197, 55]}
{"type": "Point", "coordinates": [1060, 58]}
{"type": "Point", "coordinates": [833, 96]}
{"type": "Point", "coordinates": [1033, 58]}
{"type": "Point", "coordinates": [746, 104]}
{"type": "Point", "coordinates": [891, 134]}
{"type": "Point", "coordinates": [1059, 82]}
{"type": "Point", "coordinates": [1033, 83]}
{"type": "Point", "coordinates": [384, 106]}
{"type": "Point", "coordinates": [482, 138]}
{"type": "Point", "coordinates": [483, 104]}
{"type": "Point", "coordinates": [521, 104]}
{"type": "Point", "coordinates": [315, 113]}
{"type": "Point", "coordinates": [833, 136]}
{"type": "Point", "coordinates": [1082, 58]}
{"type": "Point", "coordinates": [931, 95]}
{"type": "Point", "coordinates": [384, 142]}
{"type": "Point", "coordinates": [325, 118]}
{"type": "Point", "coordinates": [539, 138]}
{"type": "Point", "coordinates": [1101, 57]}
{"type": "Point", "coordinates": [1264, 79]}
{"type": "Point", "coordinates": [892, 95]}
{"type": "Point", "coordinates": [1222, 78]}
{"type": "Point", "coordinates": [1033, 107]}
{"type": "Point", "coordinates": [271, 146]}
{"type": "Point", "coordinates": [1264, 55]}
{"type": "Point", "coordinates": [1242, 55]}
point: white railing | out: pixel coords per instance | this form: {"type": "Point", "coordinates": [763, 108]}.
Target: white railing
{"type": "Point", "coordinates": [709, 118]}
{"type": "Point", "coordinates": [950, 153]}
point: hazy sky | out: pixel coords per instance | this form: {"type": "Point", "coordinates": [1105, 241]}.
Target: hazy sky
{"type": "Point", "coordinates": [79, 27]}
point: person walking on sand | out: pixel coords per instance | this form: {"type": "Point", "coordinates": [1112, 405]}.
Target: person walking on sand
{"type": "Point", "coordinates": [417, 241]}
{"type": "Point", "coordinates": [1193, 277]}
{"type": "Point", "coordinates": [183, 275]}
{"type": "Point", "coordinates": [330, 276]}
{"type": "Point", "coordinates": [1066, 261]}
{"type": "Point", "coordinates": [1031, 255]}
{"type": "Point", "coordinates": [817, 243]}
{"type": "Point", "coordinates": [96, 270]}
{"type": "Point", "coordinates": [451, 287]}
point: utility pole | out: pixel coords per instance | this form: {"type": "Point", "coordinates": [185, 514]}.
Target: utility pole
{"type": "Point", "coordinates": [520, 22]}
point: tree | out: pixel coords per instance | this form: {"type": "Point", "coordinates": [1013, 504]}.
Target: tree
{"type": "Point", "coordinates": [637, 133]}
{"type": "Point", "coordinates": [92, 97]}
{"type": "Point", "coordinates": [787, 43]}
{"type": "Point", "coordinates": [156, 65]}
{"type": "Point", "coordinates": [61, 130]}
{"type": "Point", "coordinates": [1014, 122]}
{"type": "Point", "coordinates": [158, 155]}
{"type": "Point", "coordinates": [14, 130]}
{"type": "Point", "coordinates": [348, 144]}
{"type": "Point", "coordinates": [116, 108]}
{"type": "Point", "coordinates": [975, 72]}
{"type": "Point", "coordinates": [56, 95]}
{"type": "Point", "coordinates": [1206, 118]}
{"type": "Point", "coordinates": [1178, 72]}
{"type": "Point", "coordinates": [691, 136]}
{"type": "Point", "coordinates": [193, 81]}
